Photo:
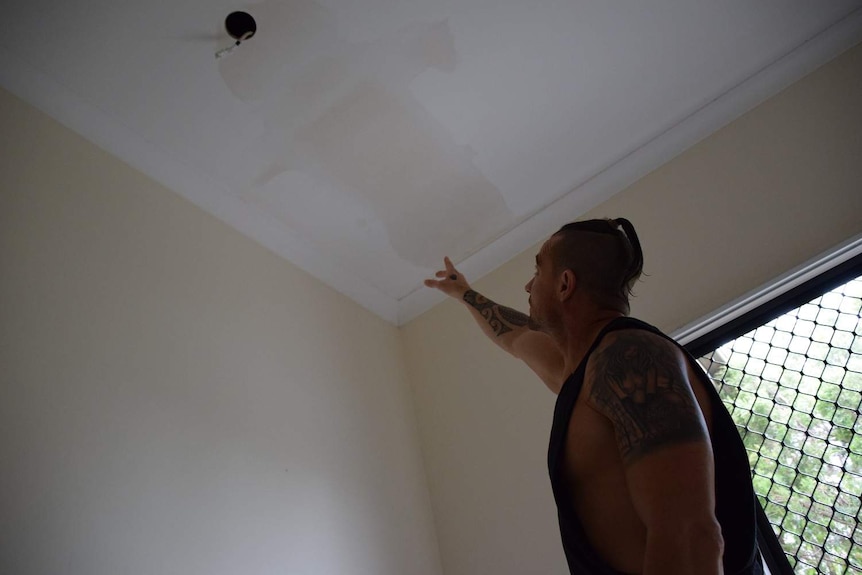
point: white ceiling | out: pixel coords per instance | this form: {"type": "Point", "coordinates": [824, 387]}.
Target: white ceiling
{"type": "Point", "coordinates": [363, 140]}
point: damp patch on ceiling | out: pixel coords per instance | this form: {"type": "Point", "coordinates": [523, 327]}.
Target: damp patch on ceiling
{"type": "Point", "coordinates": [341, 117]}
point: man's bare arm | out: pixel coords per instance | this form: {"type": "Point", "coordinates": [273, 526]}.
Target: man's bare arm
{"type": "Point", "coordinates": [639, 382]}
{"type": "Point", "coordinates": [506, 327]}
{"type": "Point", "coordinates": [496, 320]}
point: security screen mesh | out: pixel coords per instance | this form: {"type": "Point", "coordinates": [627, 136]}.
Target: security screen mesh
{"type": "Point", "coordinates": [793, 388]}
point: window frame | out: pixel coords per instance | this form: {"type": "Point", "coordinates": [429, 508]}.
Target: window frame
{"type": "Point", "coordinates": [781, 295]}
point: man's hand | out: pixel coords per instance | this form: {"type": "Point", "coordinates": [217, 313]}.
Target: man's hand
{"type": "Point", "coordinates": [506, 327]}
{"type": "Point", "coordinates": [451, 282]}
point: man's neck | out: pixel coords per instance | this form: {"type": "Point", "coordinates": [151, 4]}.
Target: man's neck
{"type": "Point", "coordinates": [578, 332]}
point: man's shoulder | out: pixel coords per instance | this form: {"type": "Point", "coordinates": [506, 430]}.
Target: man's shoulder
{"type": "Point", "coordinates": [632, 332]}
{"type": "Point", "coordinates": [629, 353]}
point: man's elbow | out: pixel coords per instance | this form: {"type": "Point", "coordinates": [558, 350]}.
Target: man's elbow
{"type": "Point", "coordinates": [705, 544]}
{"type": "Point", "coordinates": [693, 547]}
{"type": "Point", "coordinates": [706, 535]}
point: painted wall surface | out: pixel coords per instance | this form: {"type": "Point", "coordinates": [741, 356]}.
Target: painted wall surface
{"type": "Point", "coordinates": [176, 399]}
{"type": "Point", "coordinates": [773, 189]}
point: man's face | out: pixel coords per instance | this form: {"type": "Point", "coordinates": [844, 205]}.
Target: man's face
{"type": "Point", "coordinates": [540, 287]}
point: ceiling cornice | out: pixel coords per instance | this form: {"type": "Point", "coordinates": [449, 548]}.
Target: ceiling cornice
{"type": "Point", "coordinates": [646, 157]}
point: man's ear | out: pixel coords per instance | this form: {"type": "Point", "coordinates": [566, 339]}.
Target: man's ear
{"type": "Point", "coordinates": [566, 286]}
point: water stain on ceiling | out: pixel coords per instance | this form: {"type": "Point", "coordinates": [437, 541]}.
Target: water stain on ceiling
{"type": "Point", "coordinates": [348, 138]}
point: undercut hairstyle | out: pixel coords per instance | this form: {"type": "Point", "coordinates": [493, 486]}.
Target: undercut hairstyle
{"type": "Point", "coordinates": [605, 256]}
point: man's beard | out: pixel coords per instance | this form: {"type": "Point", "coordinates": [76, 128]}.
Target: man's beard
{"type": "Point", "coordinates": [548, 323]}
{"type": "Point", "coordinates": [533, 324]}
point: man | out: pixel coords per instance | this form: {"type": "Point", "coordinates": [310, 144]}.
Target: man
{"type": "Point", "coordinates": [648, 471]}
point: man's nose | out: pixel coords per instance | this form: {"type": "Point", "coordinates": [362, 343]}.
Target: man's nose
{"type": "Point", "coordinates": [528, 286]}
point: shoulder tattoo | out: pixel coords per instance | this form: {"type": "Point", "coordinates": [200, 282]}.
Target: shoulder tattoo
{"type": "Point", "coordinates": [501, 319]}
{"type": "Point", "coordinates": [639, 384]}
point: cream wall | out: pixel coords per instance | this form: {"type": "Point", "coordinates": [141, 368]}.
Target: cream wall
{"type": "Point", "coordinates": [176, 399]}
{"type": "Point", "coordinates": [769, 191]}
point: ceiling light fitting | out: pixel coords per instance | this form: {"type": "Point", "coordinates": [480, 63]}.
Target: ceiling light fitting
{"type": "Point", "coordinates": [241, 26]}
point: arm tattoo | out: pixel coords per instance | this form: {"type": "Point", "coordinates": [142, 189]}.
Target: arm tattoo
{"type": "Point", "coordinates": [639, 385]}
{"type": "Point", "coordinates": [501, 319]}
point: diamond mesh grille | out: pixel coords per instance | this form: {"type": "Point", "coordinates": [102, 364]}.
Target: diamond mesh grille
{"type": "Point", "coordinates": [793, 387]}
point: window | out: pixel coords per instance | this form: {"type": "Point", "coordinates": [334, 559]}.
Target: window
{"type": "Point", "coordinates": [790, 373]}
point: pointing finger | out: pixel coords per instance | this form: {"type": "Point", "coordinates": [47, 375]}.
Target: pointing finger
{"type": "Point", "coordinates": [449, 267]}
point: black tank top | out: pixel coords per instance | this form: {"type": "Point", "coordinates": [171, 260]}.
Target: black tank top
{"type": "Point", "coordinates": [735, 504]}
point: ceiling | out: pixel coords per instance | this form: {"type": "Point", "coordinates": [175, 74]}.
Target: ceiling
{"type": "Point", "coordinates": [363, 140]}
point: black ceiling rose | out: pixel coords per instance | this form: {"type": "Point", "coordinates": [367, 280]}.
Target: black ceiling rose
{"type": "Point", "coordinates": [240, 25]}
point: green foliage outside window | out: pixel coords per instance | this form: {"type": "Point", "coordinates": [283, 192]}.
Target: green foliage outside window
{"type": "Point", "coordinates": [794, 388]}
